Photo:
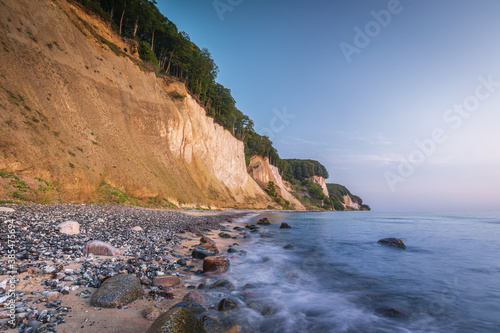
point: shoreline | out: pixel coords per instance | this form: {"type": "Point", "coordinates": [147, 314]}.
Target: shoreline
{"type": "Point", "coordinates": [49, 261]}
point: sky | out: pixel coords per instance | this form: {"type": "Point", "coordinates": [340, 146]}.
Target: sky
{"type": "Point", "coordinates": [400, 100]}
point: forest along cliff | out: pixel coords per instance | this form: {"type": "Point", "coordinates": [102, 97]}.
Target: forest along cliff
{"type": "Point", "coordinates": [81, 116]}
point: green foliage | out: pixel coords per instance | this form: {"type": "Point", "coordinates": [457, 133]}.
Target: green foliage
{"type": "Point", "coordinates": [316, 192]}
{"type": "Point", "coordinates": [176, 95]}
{"type": "Point", "coordinates": [337, 193]}
{"type": "Point", "coordinates": [147, 54]}
{"type": "Point", "coordinates": [271, 190]}
{"type": "Point", "coordinates": [302, 169]}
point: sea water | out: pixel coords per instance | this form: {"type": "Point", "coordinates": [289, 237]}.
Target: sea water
{"type": "Point", "coordinates": [337, 278]}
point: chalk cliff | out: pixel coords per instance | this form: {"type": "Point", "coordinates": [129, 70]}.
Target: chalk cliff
{"type": "Point", "coordinates": [78, 109]}
{"type": "Point", "coordinates": [320, 181]}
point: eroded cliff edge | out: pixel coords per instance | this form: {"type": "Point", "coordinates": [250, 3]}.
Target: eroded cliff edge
{"type": "Point", "coordinates": [80, 114]}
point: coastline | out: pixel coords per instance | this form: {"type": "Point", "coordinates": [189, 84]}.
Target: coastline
{"type": "Point", "coordinates": [167, 237]}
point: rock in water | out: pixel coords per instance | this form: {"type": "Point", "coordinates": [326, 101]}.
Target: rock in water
{"type": "Point", "coordinates": [215, 264]}
{"type": "Point", "coordinates": [224, 283]}
{"type": "Point", "coordinates": [284, 226]}
{"type": "Point", "coordinates": [99, 248]}
{"type": "Point", "coordinates": [69, 228]}
{"type": "Point", "coordinates": [194, 296]}
{"type": "Point", "coordinates": [264, 221]}
{"type": "Point", "coordinates": [393, 242]}
{"type": "Point", "coordinates": [177, 320]}
{"type": "Point", "coordinates": [118, 290]}
{"type": "Point", "coordinates": [226, 304]}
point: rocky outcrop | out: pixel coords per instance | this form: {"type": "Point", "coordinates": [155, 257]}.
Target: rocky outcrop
{"type": "Point", "coordinates": [263, 172]}
{"type": "Point", "coordinates": [349, 203]}
{"type": "Point", "coordinates": [86, 113]}
{"type": "Point", "coordinates": [321, 182]}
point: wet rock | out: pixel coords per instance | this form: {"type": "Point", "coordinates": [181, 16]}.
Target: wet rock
{"type": "Point", "coordinates": [224, 283]}
{"type": "Point", "coordinates": [284, 226]}
{"type": "Point", "coordinates": [69, 228]}
{"type": "Point", "coordinates": [215, 325]}
{"type": "Point", "coordinates": [252, 227]}
{"type": "Point", "coordinates": [194, 296]}
{"type": "Point", "coordinates": [195, 308]}
{"type": "Point", "coordinates": [215, 264]}
{"type": "Point", "coordinates": [151, 313]}
{"type": "Point", "coordinates": [166, 281]}
{"type": "Point", "coordinates": [177, 320]}
{"type": "Point", "coordinates": [181, 262]}
{"type": "Point", "coordinates": [264, 221]}
{"type": "Point", "coordinates": [263, 309]}
{"type": "Point", "coordinates": [205, 239]}
{"type": "Point", "coordinates": [118, 290]}
{"type": "Point", "coordinates": [210, 246]}
{"type": "Point", "coordinates": [34, 324]}
{"type": "Point", "coordinates": [226, 304]}
{"type": "Point", "coordinates": [201, 253]}
{"type": "Point", "coordinates": [395, 242]}
{"type": "Point", "coordinates": [224, 235]}
{"type": "Point", "coordinates": [99, 248]}
{"type": "Point", "coordinates": [288, 247]}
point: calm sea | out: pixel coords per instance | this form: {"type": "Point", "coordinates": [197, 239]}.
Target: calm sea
{"type": "Point", "coordinates": [337, 278]}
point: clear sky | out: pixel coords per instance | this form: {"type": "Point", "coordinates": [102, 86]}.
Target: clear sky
{"type": "Point", "coordinates": [400, 100]}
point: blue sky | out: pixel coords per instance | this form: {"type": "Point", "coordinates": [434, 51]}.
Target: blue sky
{"type": "Point", "coordinates": [398, 99]}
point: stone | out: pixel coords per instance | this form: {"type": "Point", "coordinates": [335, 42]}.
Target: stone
{"type": "Point", "coordinates": [176, 320]}
{"type": "Point", "coordinates": [137, 228]}
{"type": "Point", "coordinates": [34, 324]}
{"type": "Point", "coordinates": [226, 304]}
{"type": "Point", "coordinates": [390, 312]}
{"type": "Point", "coordinates": [204, 239]}
{"type": "Point", "coordinates": [48, 269]}
{"type": "Point", "coordinates": [99, 248]}
{"type": "Point", "coordinates": [69, 228]}
{"type": "Point", "coordinates": [182, 262]}
{"type": "Point", "coordinates": [166, 281]}
{"type": "Point", "coordinates": [194, 296]}
{"type": "Point", "coordinates": [393, 242]}
{"type": "Point", "coordinates": [201, 253]}
{"type": "Point", "coordinates": [284, 226]}
{"type": "Point", "coordinates": [118, 290]}
{"type": "Point", "coordinates": [215, 264]}
{"type": "Point", "coordinates": [288, 247]}
{"type": "Point", "coordinates": [7, 210]}
{"type": "Point", "coordinates": [210, 246]}
{"type": "Point", "coordinates": [151, 313]}
{"type": "Point", "coordinates": [224, 235]}
{"type": "Point", "coordinates": [52, 296]}
{"type": "Point", "coordinates": [215, 325]}
{"type": "Point", "coordinates": [264, 221]}
{"type": "Point", "coordinates": [224, 283]}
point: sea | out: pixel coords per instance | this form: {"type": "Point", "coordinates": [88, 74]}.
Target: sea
{"type": "Point", "coordinates": [338, 278]}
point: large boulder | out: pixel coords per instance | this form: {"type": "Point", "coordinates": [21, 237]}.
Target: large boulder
{"type": "Point", "coordinates": [69, 228]}
{"type": "Point", "coordinates": [200, 252]}
{"type": "Point", "coordinates": [215, 264]}
{"type": "Point", "coordinates": [117, 290]}
{"type": "Point", "coordinates": [99, 248]}
{"type": "Point", "coordinates": [194, 296]}
{"type": "Point", "coordinates": [226, 304]}
{"type": "Point", "coordinates": [177, 320]}
{"type": "Point", "coordinates": [393, 242]}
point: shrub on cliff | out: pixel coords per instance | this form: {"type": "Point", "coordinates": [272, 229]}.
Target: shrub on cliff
{"type": "Point", "coordinates": [147, 54]}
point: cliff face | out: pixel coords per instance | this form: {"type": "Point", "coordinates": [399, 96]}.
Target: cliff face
{"type": "Point", "coordinates": [76, 110]}
{"type": "Point", "coordinates": [320, 181]}
{"type": "Point", "coordinates": [263, 172]}
{"type": "Point", "coordinates": [348, 202]}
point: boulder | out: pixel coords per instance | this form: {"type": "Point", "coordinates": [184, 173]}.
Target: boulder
{"type": "Point", "coordinates": [215, 325]}
{"type": "Point", "coordinates": [393, 242]}
{"type": "Point", "coordinates": [288, 247]}
{"type": "Point", "coordinates": [215, 264]}
{"type": "Point", "coordinates": [224, 283]}
{"type": "Point", "coordinates": [194, 296]}
{"type": "Point", "coordinates": [117, 290]}
{"type": "Point", "coordinates": [151, 313]}
{"type": "Point", "coordinates": [210, 246]}
{"type": "Point", "coordinates": [226, 304]}
{"type": "Point", "coordinates": [284, 226]}
{"type": "Point", "coordinates": [194, 308]}
{"type": "Point", "coordinates": [224, 235]}
{"type": "Point", "coordinates": [99, 248]}
{"type": "Point", "coordinates": [166, 281]}
{"type": "Point", "coordinates": [7, 210]}
{"type": "Point", "coordinates": [176, 320]}
{"type": "Point", "coordinates": [200, 252]}
{"type": "Point", "coordinates": [264, 221]}
{"type": "Point", "coordinates": [69, 228]}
